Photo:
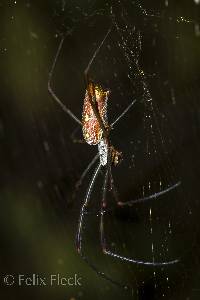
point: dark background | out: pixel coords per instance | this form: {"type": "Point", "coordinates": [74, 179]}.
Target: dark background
{"type": "Point", "coordinates": [40, 164]}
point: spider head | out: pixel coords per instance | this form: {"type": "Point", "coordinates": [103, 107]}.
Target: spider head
{"type": "Point", "coordinates": [97, 93]}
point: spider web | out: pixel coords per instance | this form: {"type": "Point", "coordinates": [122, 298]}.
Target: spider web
{"type": "Point", "coordinates": [135, 62]}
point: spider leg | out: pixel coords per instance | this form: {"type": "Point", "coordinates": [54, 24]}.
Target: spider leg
{"type": "Point", "coordinates": [95, 54]}
{"type": "Point", "coordinates": [79, 182]}
{"type": "Point", "coordinates": [154, 196]}
{"type": "Point", "coordinates": [103, 239]}
{"type": "Point", "coordinates": [113, 188]}
{"type": "Point", "coordinates": [80, 229]}
{"type": "Point", "coordinates": [76, 140]}
{"type": "Point", "coordinates": [123, 113]}
{"type": "Point", "coordinates": [140, 262]}
{"type": "Point", "coordinates": [102, 274]}
{"type": "Point", "coordinates": [92, 101]}
{"type": "Point", "coordinates": [68, 111]}
{"type": "Point", "coordinates": [103, 206]}
{"type": "Point", "coordinates": [84, 209]}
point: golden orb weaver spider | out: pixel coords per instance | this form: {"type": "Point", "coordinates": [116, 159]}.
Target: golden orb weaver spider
{"type": "Point", "coordinates": [96, 131]}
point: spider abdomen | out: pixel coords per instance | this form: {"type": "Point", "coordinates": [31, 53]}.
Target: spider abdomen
{"type": "Point", "coordinates": [92, 131]}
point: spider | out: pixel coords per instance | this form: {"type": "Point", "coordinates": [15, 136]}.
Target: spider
{"type": "Point", "coordinates": [96, 131]}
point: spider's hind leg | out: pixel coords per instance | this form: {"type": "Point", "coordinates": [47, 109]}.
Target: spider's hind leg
{"type": "Point", "coordinates": [104, 246]}
{"type": "Point", "coordinates": [153, 196]}
{"type": "Point", "coordinates": [79, 236]}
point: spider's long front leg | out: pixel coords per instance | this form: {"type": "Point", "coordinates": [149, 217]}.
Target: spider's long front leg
{"type": "Point", "coordinates": [91, 93]}
{"type": "Point", "coordinates": [53, 94]}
